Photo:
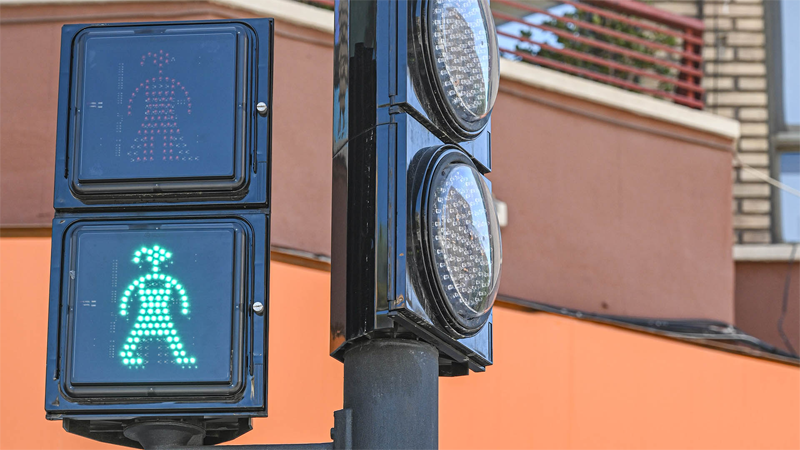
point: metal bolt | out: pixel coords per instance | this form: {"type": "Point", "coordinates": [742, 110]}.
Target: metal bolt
{"type": "Point", "coordinates": [258, 308]}
{"type": "Point", "coordinates": [261, 107]}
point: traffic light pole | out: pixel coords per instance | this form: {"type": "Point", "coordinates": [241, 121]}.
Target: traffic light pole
{"type": "Point", "coordinates": [392, 388]}
{"type": "Point", "coordinates": [391, 401]}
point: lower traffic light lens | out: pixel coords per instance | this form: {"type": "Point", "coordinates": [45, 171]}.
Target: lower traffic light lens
{"type": "Point", "coordinates": [463, 233]}
{"type": "Point", "coordinates": [458, 248]}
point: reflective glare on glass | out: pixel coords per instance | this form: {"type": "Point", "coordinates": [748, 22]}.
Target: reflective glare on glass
{"type": "Point", "coordinates": [465, 55]}
{"type": "Point", "coordinates": [465, 240]}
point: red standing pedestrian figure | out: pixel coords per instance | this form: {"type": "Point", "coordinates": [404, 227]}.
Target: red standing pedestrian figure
{"type": "Point", "coordinates": [159, 100]}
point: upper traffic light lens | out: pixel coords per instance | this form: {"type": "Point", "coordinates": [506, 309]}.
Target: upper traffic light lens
{"type": "Point", "coordinates": [159, 108]}
{"type": "Point", "coordinates": [465, 57]}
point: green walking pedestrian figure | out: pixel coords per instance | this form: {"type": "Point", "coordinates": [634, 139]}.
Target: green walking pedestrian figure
{"type": "Point", "coordinates": [151, 298]}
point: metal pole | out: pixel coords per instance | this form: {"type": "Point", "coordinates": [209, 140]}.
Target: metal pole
{"type": "Point", "coordinates": [392, 388]}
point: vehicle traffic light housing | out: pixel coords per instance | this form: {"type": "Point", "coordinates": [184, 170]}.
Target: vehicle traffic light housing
{"type": "Point", "coordinates": [392, 132]}
{"type": "Point", "coordinates": [161, 234]}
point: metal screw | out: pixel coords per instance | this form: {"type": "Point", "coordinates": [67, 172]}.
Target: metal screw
{"type": "Point", "coordinates": [261, 107]}
{"type": "Point", "coordinates": [258, 308]}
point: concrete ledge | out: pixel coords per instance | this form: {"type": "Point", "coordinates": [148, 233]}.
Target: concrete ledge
{"type": "Point", "coordinates": [765, 253]}
{"type": "Point", "coordinates": [539, 77]}
{"type": "Point", "coordinates": [640, 104]}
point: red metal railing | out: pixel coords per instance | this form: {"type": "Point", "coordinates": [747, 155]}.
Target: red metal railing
{"type": "Point", "coordinates": [623, 43]}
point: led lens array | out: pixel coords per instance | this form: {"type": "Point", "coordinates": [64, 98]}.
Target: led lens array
{"type": "Point", "coordinates": [465, 240]}
{"type": "Point", "coordinates": [465, 55]}
{"type": "Point", "coordinates": [156, 292]}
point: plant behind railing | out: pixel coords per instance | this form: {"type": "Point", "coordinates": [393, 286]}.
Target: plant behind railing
{"type": "Point", "coordinates": [624, 43]}
{"type": "Point", "coordinates": [622, 59]}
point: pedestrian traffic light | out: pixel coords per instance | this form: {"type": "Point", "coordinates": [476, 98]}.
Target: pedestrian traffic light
{"type": "Point", "coordinates": [163, 114]}
{"type": "Point", "coordinates": [415, 247]}
{"type": "Point", "coordinates": [160, 260]}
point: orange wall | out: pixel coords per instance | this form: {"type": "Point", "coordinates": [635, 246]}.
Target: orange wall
{"type": "Point", "coordinates": [557, 382]}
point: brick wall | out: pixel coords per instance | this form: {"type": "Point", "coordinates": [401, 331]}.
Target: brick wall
{"type": "Point", "coordinates": [736, 86]}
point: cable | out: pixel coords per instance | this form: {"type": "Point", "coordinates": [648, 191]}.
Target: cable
{"type": "Point", "coordinates": [766, 178]}
{"type": "Point", "coordinates": [785, 303]}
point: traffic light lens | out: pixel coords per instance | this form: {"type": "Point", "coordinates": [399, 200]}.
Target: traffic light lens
{"type": "Point", "coordinates": [465, 240]}
{"type": "Point", "coordinates": [121, 334]}
{"type": "Point", "coordinates": [465, 56]}
{"type": "Point", "coordinates": [158, 109]}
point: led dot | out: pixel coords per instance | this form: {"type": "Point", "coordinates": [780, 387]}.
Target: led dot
{"type": "Point", "coordinates": [185, 311]}
{"type": "Point", "coordinates": [175, 353]}
{"type": "Point", "coordinates": [139, 360]}
{"type": "Point", "coordinates": [192, 360]}
{"type": "Point", "coordinates": [121, 353]}
{"type": "Point", "coordinates": [182, 291]}
{"type": "Point", "coordinates": [130, 339]}
{"type": "Point", "coordinates": [155, 247]}
{"type": "Point", "coordinates": [183, 353]}
{"type": "Point", "coordinates": [180, 345]}
{"type": "Point", "coordinates": [169, 325]}
{"type": "Point", "coordinates": [184, 298]}
{"type": "Point", "coordinates": [144, 250]}
{"type": "Point", "coordinates": [130, 353]}
{"type": "Point", "coordinates": [186, 360]}
{"type": "Point", "coordinates": [168, 255]}
{"type": "Point", "coordinates": [169, 339]}
{"type": "Point", "coordinates": [125, 361]}
{"type": "Point", "coordinates": [136, 260]}
{"type": "Point", "coordinates": [136, 339]}
{"type": "Point", "coordinates": [123, 313]}
{"type": "Point", "coordinates": [185, 305]}
{"type": "Point", "coordinates": [160, 332]}
{"type": "Point", "coordinates": [174, 333]}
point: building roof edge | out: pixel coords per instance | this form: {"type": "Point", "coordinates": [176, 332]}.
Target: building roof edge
{"type": "Point", "coordinates": [639, 104]}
